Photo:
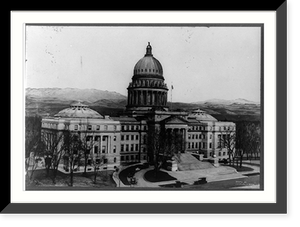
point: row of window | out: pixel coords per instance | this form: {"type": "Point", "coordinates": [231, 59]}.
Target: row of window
{"type": "Point", "coordinates": [129, 137]}
{"type": "Point", "coordinates": [105, 161]}
{"type": "Point", "coordinates": [96, 127]}
{"type": "Point", "coordinates": [147, 70]}
{"type": "Point", "coordinates": [196, 136]}
{"type": "Point", "coordinates": [133, 127]}
{"type": "Point", "coordinates": [104, 149]}
{"type": "Point", "coordinates": [133, 138]}
{"type": "Point", "coordinates": [199, 128]}
{"type": "Point", "coordinates": [97, 138]}
{"type": "Point", "coordinates": [132, 157]}
{"type": "Point", "coordinates": [132, 147]}
{"type": "Point", "coordinates": [194, 145]}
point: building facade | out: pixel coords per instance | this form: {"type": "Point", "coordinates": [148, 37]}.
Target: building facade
{"type": "Point", "coordinates": [125, 139]}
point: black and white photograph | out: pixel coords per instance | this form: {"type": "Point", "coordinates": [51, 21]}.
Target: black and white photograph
{"type": "Point", "coordinates": [143, 107]}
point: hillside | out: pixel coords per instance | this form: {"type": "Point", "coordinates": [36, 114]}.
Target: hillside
{"type": "Point", "coordinates": [49, 101]}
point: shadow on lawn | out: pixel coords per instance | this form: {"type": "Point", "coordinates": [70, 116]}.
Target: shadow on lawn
{"type": "Point", "coordinates": [130, 171]}
{"type": "Point", "coordinates": [159, 176]}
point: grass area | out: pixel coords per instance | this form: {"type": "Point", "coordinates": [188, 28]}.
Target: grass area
{"type": "Point", "coordinates": [39, 179]}
{"type": "Point", "coordinates": [153, 176]}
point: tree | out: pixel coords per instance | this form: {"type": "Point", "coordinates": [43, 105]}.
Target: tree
{"type": "Point", "coordinates": [54, 151]}
{"type": "Point", "coordinates": [72, 147]}
{"type": "Point", "coordinates": [34, 145]}
{"type": "Point", "coordinates": [227, 140]}
{"type": "Point", "coordinates": [32, 134]}
{"type": "Point", "coordinates": [87, 143]}
{"type": "Point", "coordinates": [163, 145]}
{"type": "Point", "coordinates": [97, 161]}
{"type": "Point", "coordinates": [248, 138]}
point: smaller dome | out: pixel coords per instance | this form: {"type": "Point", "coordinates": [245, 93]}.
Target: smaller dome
{"type": "Point", "coordinates": [201, 115]}
{"type": "Point", "coordinates": [78, 110]}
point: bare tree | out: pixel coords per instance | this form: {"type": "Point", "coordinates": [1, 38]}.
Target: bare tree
{"type": "Point", "coordinates": [163, 145]}
{"type": "Point", "coordinates": [227, 140]}
{"type": "Point", "coordinates": [87, 144]}
{"type": "Point", "coordinates": [248, 138]}
{"type": "Point", "coordinates": [34, 146]}
{"type": "Point", "coordinates": [97, 161]}
{"type": "Point", "coordinates": [54, 151]}
{"type": "Point", "coordinates": [72, 156]}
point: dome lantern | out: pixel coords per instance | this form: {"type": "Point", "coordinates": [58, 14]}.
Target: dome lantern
{"type": "Point", "coordinates": [148, 50]}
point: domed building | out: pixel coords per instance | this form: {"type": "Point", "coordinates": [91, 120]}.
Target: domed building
{"type": "Point", "coordinates": [147, 90]}
{"type": "Point", "coordinates": [99, 135]}
{"type": "Point", "coordinates": [130, 138]}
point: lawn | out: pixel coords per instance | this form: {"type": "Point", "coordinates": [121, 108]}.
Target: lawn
{"type": "Point", "coordinates": [159, 176]}
{"type": "Point", "coordinates": [40, 180]}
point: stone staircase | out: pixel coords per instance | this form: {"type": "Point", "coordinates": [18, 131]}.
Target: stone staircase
{"type": "Point", "coordinates": [189, 162]}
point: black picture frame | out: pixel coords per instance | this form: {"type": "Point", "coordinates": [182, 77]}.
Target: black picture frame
{"type": "Point", "coordinates": [280, 206]}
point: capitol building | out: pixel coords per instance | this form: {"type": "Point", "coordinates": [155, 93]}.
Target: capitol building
{"type": "Point", "coordinates": [127, 138]}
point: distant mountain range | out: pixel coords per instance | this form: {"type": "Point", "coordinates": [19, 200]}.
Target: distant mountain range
{"type": "Point", "coordinates": [72, 94]}
{"type": "Point", "coordinates": [44, 101]}
{"type": "Point", "coordinates": [226, 102]}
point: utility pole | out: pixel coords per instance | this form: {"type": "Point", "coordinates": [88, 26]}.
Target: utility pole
{"type": "Point", "coordinates": [171, 95]}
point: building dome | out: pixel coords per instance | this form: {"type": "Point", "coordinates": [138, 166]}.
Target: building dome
{"type": "Point", "coordinates": [147, 91]}
{"type": "Point", "coordinates": [78, 110]}
{"type": "Point", "coordinates": [148, 65]}
{"type": "Point", "coordinates": [201, 115]}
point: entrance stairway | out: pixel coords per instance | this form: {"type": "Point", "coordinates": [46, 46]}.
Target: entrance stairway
{"type": "Point", "coordinates": [189, 162]}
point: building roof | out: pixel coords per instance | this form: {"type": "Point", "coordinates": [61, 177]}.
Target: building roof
{"type": "Point", "coordinates": [78, 110]}
{"type": "Point", "coordinates": [124, 119]}
{"type": "Point", "coordinates": [201, 115]}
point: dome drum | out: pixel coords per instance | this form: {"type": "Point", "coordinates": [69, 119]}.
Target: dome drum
{"type": "Point", "coordinates": [148, 83]}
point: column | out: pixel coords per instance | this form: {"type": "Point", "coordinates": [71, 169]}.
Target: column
{"type": "Point", "coordinates": [184, 139]}
{"type": "Point", "coordinates": [153, 98]}
{"type": "Point", "coordinates": [100, 150]}
{"type": "Point", "coordinates": [134, 98]}
{"type": "Point", "coordinates": [144, 98]}
{"type": "Point", "coordinates": [138, 97]}
{"type": "Point", "coordinates": [148, 98]}
{"type": "Point", "coordinates": [108, 144]}
{"type": "Point", "coordinates": [141, 97]}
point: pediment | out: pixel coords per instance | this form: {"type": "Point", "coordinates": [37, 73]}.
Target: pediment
{"type": "Point", "coordinates": [175, 120]}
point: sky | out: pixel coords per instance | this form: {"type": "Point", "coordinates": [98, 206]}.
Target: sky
{"type": "Point", "coordinates": [201, 63]}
